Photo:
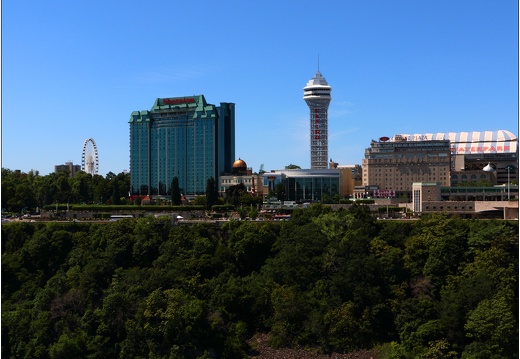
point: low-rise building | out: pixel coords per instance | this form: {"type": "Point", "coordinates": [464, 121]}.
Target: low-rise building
{"type": "Point", "coordinates": [241, 174]}
{"type": "Point", "coordinates": [68, 166]}
{"type": "Point", "coordinates": [310, 184]}
{"type": "Point", "coordinates": [473, 202]}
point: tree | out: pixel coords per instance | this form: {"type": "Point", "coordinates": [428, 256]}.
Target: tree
{"type": "Point", "coordinates": [200, 201]}
{"type": "Point", "coordinates": [174, 317]}
{"type": "Point", "coordinates": [117, 187]}
{"type": "Point", "coordinates": [69, 346]}
{"type": "Point", "coordinates": [81, 190]}
{"type": "Point", "coordinates": [116, 195]}
{"type": "Point", "coordinates": [108, 190]}
{"type": "Point", "coordinates": [335, 280]}
{"type": "Point", "coordinates": [175, 191]}
{"type": "Point", "coordinates": [493, 328]}
{"type": "Point", "coordinates": [251, 244]}
{"type": "Point", "coordinates": [343, 327]}
{"type": "Point", "coordinates": [123, 180]}
{"type": "Point", "coordinates": [99, 184]}
{"type": "Point", "coordinates": [298, 250]}
{"type": "Point", "coordinates": [280, 191]}
{"type": "Point", "coordinates": [211, 193]}
{"type": "Point", "coordinates": [292, 167]}
{"type": "Point", "coordinates": [289, 313]}
{"type": "Point", "coordinates": [233, 194]}
{"type": "Point", "coordinates": [446, 254]}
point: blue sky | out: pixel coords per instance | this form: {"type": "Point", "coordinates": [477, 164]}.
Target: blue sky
{"type": "Point", "coordinates": [73, 70]}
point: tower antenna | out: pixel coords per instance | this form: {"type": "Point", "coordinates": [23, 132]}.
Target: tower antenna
{"type": "Point", "coordinates": [318, 62]}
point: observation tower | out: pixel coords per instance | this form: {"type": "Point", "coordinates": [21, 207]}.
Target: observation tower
{"type": "Point", "coordinates": [317, 96]}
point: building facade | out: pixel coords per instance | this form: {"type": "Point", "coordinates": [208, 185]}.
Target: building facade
{"type": "Point", "coordinates": [391, 167]}
{"type": "Point", "coordinates": [183, 137]}
{"type": "Point", "coordinates": [468, 202]}
{"type": "Point", "coordinates": [317, 96]}
{"type": "Point", "coordinates": [476, 159]}
{"type": "Point", "coordinates": [422, 192]}
{"type": "Point", "coordinates": [68, 166]}
{"type": "Point", "coordinates": [351, 176]}
{"type": "Point", "coordinates": [309, 184]}
{"type": "Point", "coordinates": [472, 151]}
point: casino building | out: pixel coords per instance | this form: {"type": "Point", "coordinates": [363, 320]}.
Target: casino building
{"type": "Point", "coordinates": [183, 137]}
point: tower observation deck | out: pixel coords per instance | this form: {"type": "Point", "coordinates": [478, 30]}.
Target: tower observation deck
{"type": "Point", "coordinates": [317, 96]}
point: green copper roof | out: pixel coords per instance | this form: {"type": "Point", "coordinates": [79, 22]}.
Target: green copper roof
{"type": "Point", "coordinates": [196, 105]}
{"type": "Point", "coordinates": [192, 102]}
{"type": "Point", "coordinates": [140, 116]}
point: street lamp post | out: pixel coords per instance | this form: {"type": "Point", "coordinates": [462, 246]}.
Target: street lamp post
{"type": "Point", "coordinates": [489, 168]}
{"type": "Point", "coordinates": [509, 168]}
{"type": "Point", "coordinates": [508, 191]}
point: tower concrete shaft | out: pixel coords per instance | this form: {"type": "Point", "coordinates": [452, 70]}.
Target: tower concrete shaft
{"type": "Point", "coordinates": [317, 96]}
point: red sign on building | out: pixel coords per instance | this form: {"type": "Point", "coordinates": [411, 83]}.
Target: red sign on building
{"type": "Point", "coordinates": [176, 101]}
{"type": "Point", "coordinates": [384, 193]}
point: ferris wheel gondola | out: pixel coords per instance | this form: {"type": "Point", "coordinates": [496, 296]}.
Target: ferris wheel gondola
{"type": "Point", "coordinates": [89, 157]}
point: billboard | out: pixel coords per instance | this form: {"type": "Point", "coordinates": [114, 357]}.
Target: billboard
{"type": "Point", "coordinates": [384, 193]}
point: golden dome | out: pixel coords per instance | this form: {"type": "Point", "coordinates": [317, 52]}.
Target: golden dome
{"type": "Point", "coordinates": [239, 164]}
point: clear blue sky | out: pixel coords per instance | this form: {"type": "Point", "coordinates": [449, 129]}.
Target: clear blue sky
{"type": "Point", "coordinates": [72, 70]}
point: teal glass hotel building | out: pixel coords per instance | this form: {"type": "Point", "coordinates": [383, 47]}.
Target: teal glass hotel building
{"type": "Point", "coordinates": [183, 137]}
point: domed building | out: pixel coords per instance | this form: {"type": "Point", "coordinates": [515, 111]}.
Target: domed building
{"type": "Point", "coordinates": [240, 173]}
{"type": "Point", "coordinates": [239, 167]}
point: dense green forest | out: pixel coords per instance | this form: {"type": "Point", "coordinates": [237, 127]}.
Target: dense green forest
{"type": "Point", "coordinates": [339, 281]}
{"type": "Point", "coordinates": [30, 191]}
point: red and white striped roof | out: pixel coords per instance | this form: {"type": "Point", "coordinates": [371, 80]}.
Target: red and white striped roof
{"type": "Point", "coordinates": [501, 141]}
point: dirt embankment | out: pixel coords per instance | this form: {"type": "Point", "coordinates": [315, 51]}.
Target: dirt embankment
{"type": "Point", "coordinates": [262, 350]}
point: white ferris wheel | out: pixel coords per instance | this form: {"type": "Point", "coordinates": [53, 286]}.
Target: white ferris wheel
{"type": "Point", "coordinates": [89, 157]}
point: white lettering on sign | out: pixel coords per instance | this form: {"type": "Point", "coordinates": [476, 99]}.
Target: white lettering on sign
{"type": "Point", "coordinates": [383, 193]}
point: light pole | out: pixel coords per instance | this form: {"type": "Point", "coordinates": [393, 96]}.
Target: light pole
{"type": "Point", "coordinates": [508, 191]}
{"type": "Point", "coordinates": [509, 168]}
